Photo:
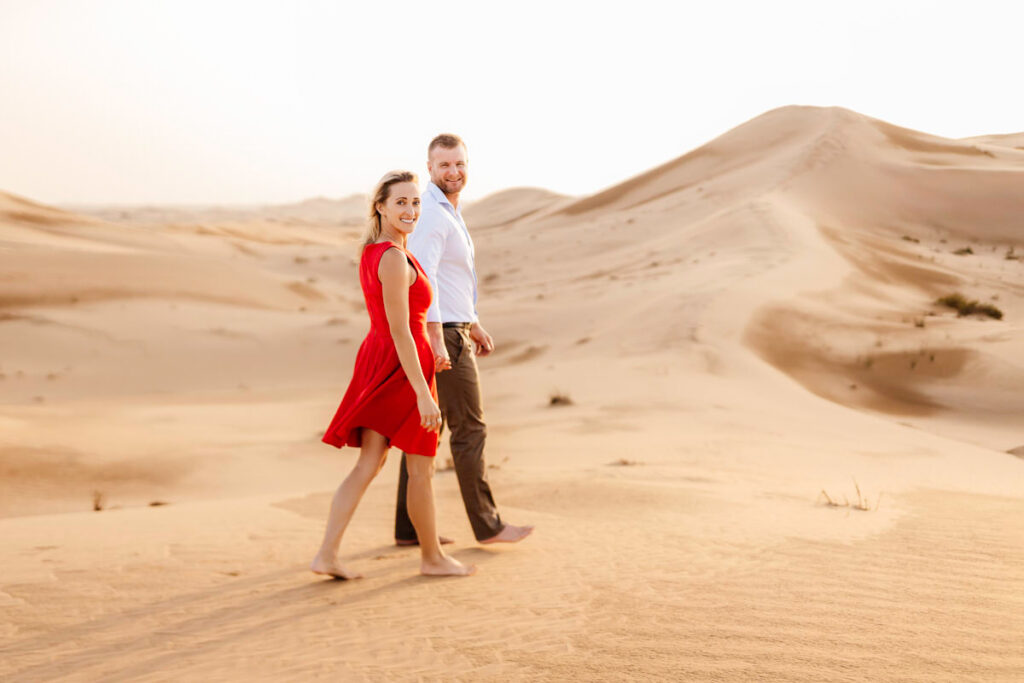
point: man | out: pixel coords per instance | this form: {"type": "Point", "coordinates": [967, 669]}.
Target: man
{"type": "Point", "coordinates": [442, 245]}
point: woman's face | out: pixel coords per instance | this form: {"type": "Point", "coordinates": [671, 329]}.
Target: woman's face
{"type": "Point", "coordinates": [401, 209]}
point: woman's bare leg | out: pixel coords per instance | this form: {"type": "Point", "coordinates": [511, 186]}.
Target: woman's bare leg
{"type": "Point", "coordinates": [420, 501]}
{"type": "Point", "coordinates": [371, 459]}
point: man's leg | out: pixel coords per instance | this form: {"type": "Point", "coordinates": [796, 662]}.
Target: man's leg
{"type": "Point", "coordinates": [459, 392]}
{"type": "Point", "coordinates": [404, 530]}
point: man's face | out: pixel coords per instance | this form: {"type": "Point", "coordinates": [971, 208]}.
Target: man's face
{"type": "Point", "coordinates": [448, 168]}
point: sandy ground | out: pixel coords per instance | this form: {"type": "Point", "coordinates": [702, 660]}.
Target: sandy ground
{"type": "Point", "coordinates": [741, 334]}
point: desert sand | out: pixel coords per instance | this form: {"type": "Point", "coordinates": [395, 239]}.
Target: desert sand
{"type": "Point", "coordinates": [737, 336]}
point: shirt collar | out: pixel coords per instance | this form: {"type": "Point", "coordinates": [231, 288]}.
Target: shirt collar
{"type": "Point", "coordinates": [435, 192]}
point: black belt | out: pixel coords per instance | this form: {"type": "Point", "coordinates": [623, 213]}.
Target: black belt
{"type": "Point", "coordinates": [461, 326]}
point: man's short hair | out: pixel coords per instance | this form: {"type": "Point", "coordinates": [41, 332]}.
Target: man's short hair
{"type": "Point", "coordinates": [445, 140]}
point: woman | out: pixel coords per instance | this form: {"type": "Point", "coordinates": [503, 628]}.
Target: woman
{"type": "Point", "coordinates": [391, 400]}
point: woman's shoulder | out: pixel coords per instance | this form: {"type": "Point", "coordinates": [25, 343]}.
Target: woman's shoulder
{"type": "Point", "coordinates": [392, 252]}
{"type": "Point", "coordinates": [371, 255]}
{"type": "Point", "coordinates": [391, 255]}
{"type": "Point", "coordinates": [376, 250]}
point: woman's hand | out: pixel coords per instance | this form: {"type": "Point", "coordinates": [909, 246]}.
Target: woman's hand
{"type": "Point", "coordinates": [430, 414]}
{"type": "Point", "coordinates": [435, 334]}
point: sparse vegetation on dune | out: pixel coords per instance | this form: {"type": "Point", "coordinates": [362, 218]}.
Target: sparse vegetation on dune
{"type": "Point", "coordinates": [557, 398]}
{"type": "Point", "coordinates": [965, 307]}
{"type": "Point", "coordinates": [862, 503]}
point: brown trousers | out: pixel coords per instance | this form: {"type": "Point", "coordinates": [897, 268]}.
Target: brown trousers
{"type": "Point", "coordinates": [458, 392]}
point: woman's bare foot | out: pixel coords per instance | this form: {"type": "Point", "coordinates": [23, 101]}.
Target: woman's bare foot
{"type": "Point", "coordinates": [510, 534]}
{"type": "Point", "coordinates": [446, 566]}
{"type": "Point", "coordinates": [332, 568]}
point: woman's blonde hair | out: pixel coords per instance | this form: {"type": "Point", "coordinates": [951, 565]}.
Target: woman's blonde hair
{"type": "Point", "coordinates": [379, 196]}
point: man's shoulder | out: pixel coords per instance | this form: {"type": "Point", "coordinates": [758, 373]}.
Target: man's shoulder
{"type": "Point", "coordinates": [430, 197]}
{"type": "Point", "coordinates": [432, 217]}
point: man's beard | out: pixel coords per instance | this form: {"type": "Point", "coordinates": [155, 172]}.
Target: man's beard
{"type": "Point", "coordinates": [449, 186]}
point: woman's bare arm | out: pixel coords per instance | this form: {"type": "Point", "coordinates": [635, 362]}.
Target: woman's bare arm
{"type": "Point", "coordinates": [396, 277]}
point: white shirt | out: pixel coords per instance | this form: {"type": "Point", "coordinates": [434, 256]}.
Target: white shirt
{"type": "Point", "coordinates": [442, 245]}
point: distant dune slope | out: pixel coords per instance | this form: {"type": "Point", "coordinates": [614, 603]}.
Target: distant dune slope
{"type": "Point", "coordinates": [347, 211]}
{"type": "Point", "coordinates": [55, 257]}
{"type": "Point", "coordinates": [1013, 140]}
{"type": "Point", "coordinates": [510, 205]}
{"type": "Point", "coordinates": [819, 238]}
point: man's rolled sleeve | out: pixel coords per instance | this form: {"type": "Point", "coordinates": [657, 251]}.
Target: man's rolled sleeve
{"type": "Point", "coordinates": [427, 243]}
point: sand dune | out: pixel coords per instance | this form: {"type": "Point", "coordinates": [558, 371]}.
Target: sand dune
{"type": "Point", "coordinates": [15, 209]}
{"type": "Point", "coordinates": [784, 233]}
{"type": "Point", "coordinates": [733, 339]}
{"type": "Point", "coordinates": [502, 208]}
{"type": "Point", "coordinates": [322, 211]}
{"type": "Point", "coordinates": [1014, 140]}
{"type": "Point", "coordinates": [56, 257]}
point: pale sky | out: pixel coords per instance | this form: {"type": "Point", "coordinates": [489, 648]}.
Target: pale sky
{"type": "Point", "coordinates": [254, 101]}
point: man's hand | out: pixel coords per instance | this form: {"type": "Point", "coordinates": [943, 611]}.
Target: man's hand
{"type": "Point", "coordinates": [435, 334]}
{"type": "Point", "coordinates": [482, 340]}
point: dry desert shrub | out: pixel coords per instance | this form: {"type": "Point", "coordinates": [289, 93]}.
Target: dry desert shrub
{"type": "Point", "coordinates": [557, 398]}
{"type": "Point", "coordinates": [861, 503]}
{"type": "Point", "coordinates": [965, 251]}
{"type": "Point", "coordinates": [964, 307]}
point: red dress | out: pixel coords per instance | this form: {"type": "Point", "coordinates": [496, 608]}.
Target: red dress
{"type": "Point", "coordinates": [380, 396]}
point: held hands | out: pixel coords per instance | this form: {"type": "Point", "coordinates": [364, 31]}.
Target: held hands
{"type": "Point", "coordinates": [481, 340]}
{"type": "Point", "coordinates": [436, 336]}
{"type": "Point", "coordinates": [430, 414]}
{"type": "Point", "coordinates": [442, 362]}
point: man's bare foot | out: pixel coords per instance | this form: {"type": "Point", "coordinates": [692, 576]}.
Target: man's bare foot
{"type": "Point", "coordinates": [443, 539]}
{"type": "Point", "coordinates": [321, 566]}
{"type": "Point", "coordinates": [510, 534]}
{"type": "Point", "coordinates": [446, 566]}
